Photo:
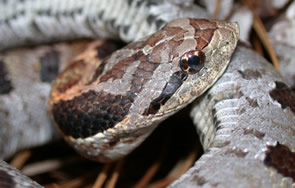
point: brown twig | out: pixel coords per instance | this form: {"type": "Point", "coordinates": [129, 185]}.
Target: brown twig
{"type": "Point", "coordinates": [102, 176]}
{"type": "Point", "coordinates": [162, 183]}
{"type": "Point", "coordinates": [257, 45]}
{"type": "Point", "coordinates": [183, 165]}
{"type": "Point", "coordinates": [114, 178]}
{"type": "Point", "coordinates": [148, 175]}
{"type": "Point", "coordinates": [262, 34]}
{"type": "Point", "coordinates": [20, 159]}
{"type": "Point", "coordinates": [217, 8]}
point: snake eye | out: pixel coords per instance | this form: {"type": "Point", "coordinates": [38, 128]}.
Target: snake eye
{"type": "Point", "coordinates": [192, 61]}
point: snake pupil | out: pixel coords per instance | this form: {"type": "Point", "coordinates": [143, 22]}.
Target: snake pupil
{"type": "Point", "coordinates": [194, 61]}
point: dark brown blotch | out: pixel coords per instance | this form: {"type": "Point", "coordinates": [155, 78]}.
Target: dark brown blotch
{"type": "Point", "coordinates": [216, 122]}
{"type": "Point", "coordinates": [119, 69]}
{"type": "Point", "coordinates": [203, 36]}
{"type": "Point", "coordinates": [6, 180]}
{"type": "Point", "coordinates": [200, 180]}
{"type": "Point", "coordinates": [249, 74]}
{"type": "Point", "coordinates": [106, 48]}
{"type": "Point", "coordinates": [98, 71]}
{"type": "Point", "coordinates": [93, 112]}
{"type": "Point", "coordinates": [283, 95]}
{"type": "Point", "coordinates": [221, 144]}
{"type": "Point", "coordinates": [90, 113]}
{"type": "Point", "coordinates": [5, 83]}
{"type": "Point", "coordinates": [49, 65]}
{"type": "Point", "coordinates": [237, 152]}
{"type": "Point", "coordinates": [281, 158]}
{"type": "Point", "coordinates": [252, 102]}
{"type": "Point", "coordinates": [254, 132]}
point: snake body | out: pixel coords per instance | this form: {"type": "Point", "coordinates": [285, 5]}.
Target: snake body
{"type": "Point", "coordinates": [36, 21]}
{"type": "Point", "coordinates": [33, 22]}
{"type": "Point", "coordinates": [238, 151]}
{"type": "Point", "coordinates": [28, 74]}
{"type": "Point", "coordinates": [250, 140]}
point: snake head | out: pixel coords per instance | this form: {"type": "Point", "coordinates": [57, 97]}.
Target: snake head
{"type": "Point", "coordinates": [106, 108]}
{"type": "Point", "coordinates": [198, 52]}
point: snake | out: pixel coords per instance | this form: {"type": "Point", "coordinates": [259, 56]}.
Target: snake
{"type": "Point", "coordinates": [245, 121]}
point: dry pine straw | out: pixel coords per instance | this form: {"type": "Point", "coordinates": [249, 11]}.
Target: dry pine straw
{"type": "Point", "coordinates": [167, 154]}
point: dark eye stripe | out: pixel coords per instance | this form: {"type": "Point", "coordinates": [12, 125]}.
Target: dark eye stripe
{"type": "Point", "coordinates": [172, 85]}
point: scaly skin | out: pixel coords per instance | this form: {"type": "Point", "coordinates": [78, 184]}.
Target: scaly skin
{"type": "Point", "coordinates": [38, 21]}
{"type": "Point", "coordinates": [106, 109]}
{"type": "Point", "coordinates": [180, 38]}
{"type": "Point", "coordinates": [26, 77]}
{"type": "Point", "coordinates": [230, 154]}
{"type": "Point", "coordinates": [246, 122]}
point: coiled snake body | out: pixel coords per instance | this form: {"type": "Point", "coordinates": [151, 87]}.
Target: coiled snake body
{"type": "Point", "coordinates": [135, 88]}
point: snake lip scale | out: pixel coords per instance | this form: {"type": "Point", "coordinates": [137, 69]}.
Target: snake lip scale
{"type": "Point", "coordinates": [121, 100]}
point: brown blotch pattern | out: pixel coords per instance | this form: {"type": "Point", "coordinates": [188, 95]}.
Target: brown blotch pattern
{"type": "Point", "coordinates": [222, 144]}
{"type": "Point", "coordinates": [216, 122]}
{"type": "Point", "coordinates": [136, 45]}
{"type": "Point", "coordinates": [254, 132]}
{"type": "Point", "coordinates": [98, 72]}
{"type": "Point", "coordinates": [6, 180]}
{"type": "Point", "coordinates": [49, 64]}
{"type": "Point", "coordinates": [252, 102]}
{"type": "Point", "coordinates": [99, 103]}
{"type": "Point", "coordinates": [201, 43]}
{"type": "Point", "coordinates": [120, 68]}
{"type": "Point", "coordinates": [283, 95]}
{"type": "Point", "coordinates": [5, 83]}
{"type": "Point", "coordinates": [172, 30]}
{"type": "Point", "coordinates": [282, 159]}
{"type": "Point", "coordinates": [155, 38]}
{"type": "Point", "coordinates": [249, 74]}
{"type": "Point", "coordinates": [237, 152]}
{"type": "Point", "coordinates": [90, 113]}
{"type": "Point", "coordinates": [94, 112]}
{"type": "Point", "coordinates": [203, 36]}
{"type": "Point", "coordinates": [98, 58]}
{"type": "Point", "coordinates": [106, 48]}
{"type": "Point", "coordinates": [202, 23]}
{"type": "Point", "coordinates": [70, 76]}
{"type": "Point", "coordinates": [200, 180]}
